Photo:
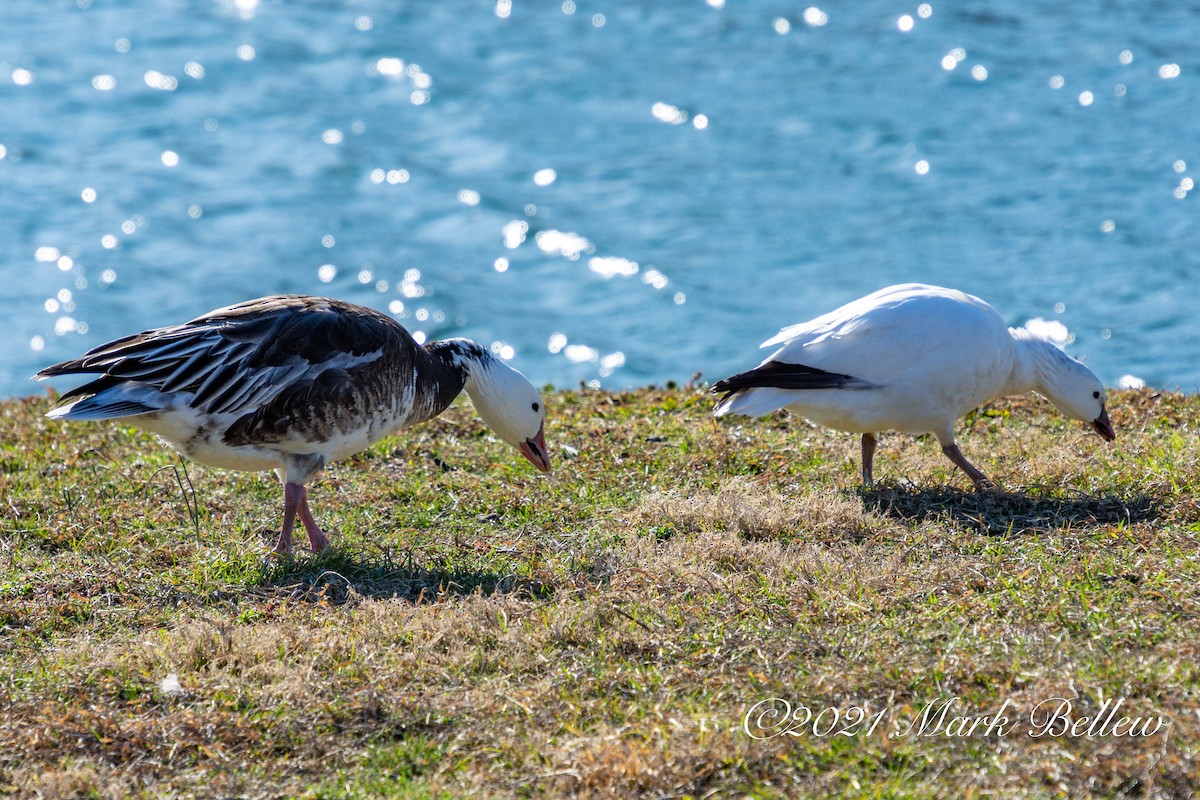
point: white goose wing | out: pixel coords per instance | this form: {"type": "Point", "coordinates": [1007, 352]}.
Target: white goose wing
{"type": "Point", "coordinates": [890, 333]}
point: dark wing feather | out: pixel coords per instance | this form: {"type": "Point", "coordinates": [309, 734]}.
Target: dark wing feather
{"type": "Point", "coordinates": [778, 375]}
{"type": "Point", "coordinates": [305, 405]}
{"type": "Point", "coordinates": [243, 356]}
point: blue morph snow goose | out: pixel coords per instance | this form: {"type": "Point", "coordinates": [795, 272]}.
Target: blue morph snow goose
{"type": "Point", "coordinates": [290, 383]}
{"type": "Point", "coordinates": [910, 358]}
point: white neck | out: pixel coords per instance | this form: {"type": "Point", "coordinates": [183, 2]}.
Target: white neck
{"type": "Point", "coordinates": [496, 389]}
{"type": "Point", "coordinates": [1035, 362]}
{"type": "Point", "coordinates": [470, 358]}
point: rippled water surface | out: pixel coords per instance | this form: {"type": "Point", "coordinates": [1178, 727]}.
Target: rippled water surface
{"type": "Point", "coordinates": [620, 193]}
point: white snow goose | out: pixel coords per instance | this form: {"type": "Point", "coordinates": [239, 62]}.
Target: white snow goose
{"type": "Point", "coordinates": [910, 358]}
{"type": "Point", "coordinates": [289, 383]}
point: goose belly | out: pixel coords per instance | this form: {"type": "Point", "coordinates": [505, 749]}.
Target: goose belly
{"type": "Point", "coordinates": [198, 437]}
{"type": "Point", "coordinates": [343, 434]}
{"type": "Point", "coordinates": [860, 411]}
{"type": "Point", "coordinates": [874, 410]}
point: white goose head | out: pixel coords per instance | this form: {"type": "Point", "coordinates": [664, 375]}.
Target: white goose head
{"type": "Point", "coordinates": [1072, 388]}
{"type": "Point", "coordinates": [507, 402]}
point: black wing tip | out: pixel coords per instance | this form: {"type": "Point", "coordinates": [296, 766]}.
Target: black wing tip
{"type": "Point", "coordinates": [72, 367]}
{"type": "Point", "coordinates": [90, 389]}
{"type": "Point", "coordinates": [761, 376]}
{"type": "Point", "coordinates": [780, 375]}
{"type": "Point", "coordinates": [725, 387]}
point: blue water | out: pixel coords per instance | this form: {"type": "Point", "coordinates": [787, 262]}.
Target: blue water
{"type": "Point", "coordinates": [613, 193]}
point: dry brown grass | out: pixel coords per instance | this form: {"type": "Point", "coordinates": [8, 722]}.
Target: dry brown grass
{"type": "Point", "coordinates": [751, 508]}
{"type": "Point", "coordinates": [481, 631]}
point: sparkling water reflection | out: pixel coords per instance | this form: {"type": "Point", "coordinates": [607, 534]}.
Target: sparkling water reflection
{"type": "Point", "coordinates": [613, 194]}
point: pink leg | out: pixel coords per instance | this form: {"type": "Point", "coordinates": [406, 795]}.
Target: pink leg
{"type": "Point", "coordinates": [317, 540]}
{"type": "Point", "coordinates": [868, 457]}
{"type": "Point", "coordinates": [293, 496]}
{"type": "Point", "coordinates": [980, 480]}
{"type": "Point", "coordinates": [295, 501]}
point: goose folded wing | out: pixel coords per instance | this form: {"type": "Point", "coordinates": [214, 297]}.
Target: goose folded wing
{"type": "Point", "coordinates": [237, 359]}
{"type": "Point", "coordinates": [781, 375]}
{"type": "Point", "coordinates": [892, 341]}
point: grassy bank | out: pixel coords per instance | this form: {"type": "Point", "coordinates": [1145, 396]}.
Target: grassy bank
{"type": "Point", "coordinates": [605, 630]}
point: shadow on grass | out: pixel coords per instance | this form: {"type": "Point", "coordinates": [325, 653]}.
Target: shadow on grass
{"type": "Point", "coordinates": [338, 577]}
{"type": "Point", "coordinates": [1031, 510]}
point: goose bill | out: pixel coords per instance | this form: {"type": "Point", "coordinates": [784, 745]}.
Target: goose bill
{"type": "Point", "coordinates": [535, 450]}
{"type": "Point", "coordinates": [1103, 426]}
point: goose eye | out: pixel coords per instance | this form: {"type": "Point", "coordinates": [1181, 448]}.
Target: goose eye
{"type": "Point", "coordinates": [535, 405]}
{"type": "Point", "coordinates": [1096, 395]}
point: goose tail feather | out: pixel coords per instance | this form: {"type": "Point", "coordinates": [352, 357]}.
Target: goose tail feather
{"type": "Point", "coordinates": [106, 398]}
